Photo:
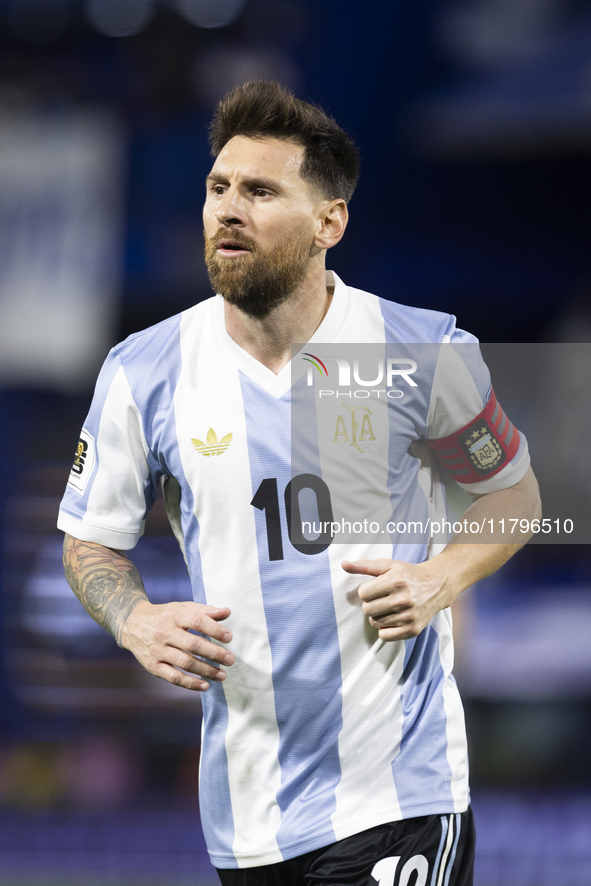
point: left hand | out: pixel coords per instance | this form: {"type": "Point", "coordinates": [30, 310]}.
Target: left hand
{"type": "Point", "coordinates": [403, 597]}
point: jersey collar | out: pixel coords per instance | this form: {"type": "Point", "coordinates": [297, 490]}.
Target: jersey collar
{"type": "Point", "coordinates": [278, 385]}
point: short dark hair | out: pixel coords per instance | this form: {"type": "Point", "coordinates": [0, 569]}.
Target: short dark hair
{"type": "Point", "coordinates": [263, 108]}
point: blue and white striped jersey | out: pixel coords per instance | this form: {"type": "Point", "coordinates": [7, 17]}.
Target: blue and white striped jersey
{"type": "Point", "coordinates": [320, 730]}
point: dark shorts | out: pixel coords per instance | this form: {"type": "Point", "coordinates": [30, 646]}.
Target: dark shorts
{"type": "Point", "coordinates": [434, 850]}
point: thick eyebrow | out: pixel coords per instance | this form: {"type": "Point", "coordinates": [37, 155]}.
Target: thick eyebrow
{"type": "Point", "coordinates": [260, 181]}
{"type": "Point", "coordinates": [214, 178]}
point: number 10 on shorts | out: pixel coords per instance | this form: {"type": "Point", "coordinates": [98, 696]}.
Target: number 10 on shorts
{"type": "Point", "coordinates": [385, 870]}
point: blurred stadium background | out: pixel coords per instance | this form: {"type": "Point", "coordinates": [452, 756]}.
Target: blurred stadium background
{"type": "Point", "coordinates": [474, 123]}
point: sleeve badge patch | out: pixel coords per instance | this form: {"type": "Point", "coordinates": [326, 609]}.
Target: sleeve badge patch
{"type": "Point", "coordinates": [83, 462]}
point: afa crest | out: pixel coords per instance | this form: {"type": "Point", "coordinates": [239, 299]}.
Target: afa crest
{"type": "Point", "coordinates": [346, 430]}
{"type": "Point", "coordinates": [213, 445]}
{"type": "Point", "coordinates": [482, 447]}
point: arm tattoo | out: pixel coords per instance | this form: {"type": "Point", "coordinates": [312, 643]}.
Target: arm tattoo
{"type": "Point", "coordinates": [105, 581]}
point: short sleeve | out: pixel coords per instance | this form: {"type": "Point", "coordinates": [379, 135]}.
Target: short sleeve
{"type": "Point", "coordinates": [468, 431]}
{"type": "Point", "coordinates": [111, 486]}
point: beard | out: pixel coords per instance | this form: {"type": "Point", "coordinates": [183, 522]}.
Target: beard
{"type": "Point", "coordinates": [260, 281]}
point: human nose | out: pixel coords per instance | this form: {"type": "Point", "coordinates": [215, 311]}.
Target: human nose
{"type": "Point", "coordinates": [230, 210]}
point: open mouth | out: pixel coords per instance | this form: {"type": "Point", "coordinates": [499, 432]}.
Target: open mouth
{"type": "Point", "coordinates": [231, 247]}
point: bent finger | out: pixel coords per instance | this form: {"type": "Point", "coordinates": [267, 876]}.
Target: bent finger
{"type": "Point", "coordinates": [392, 620]}
{"type": "Point", "coordinates": [383, 607]}
{"type": "Point", "coordinates": [388, 584]}
{"type": "Point", "coordinates": [405, 632]}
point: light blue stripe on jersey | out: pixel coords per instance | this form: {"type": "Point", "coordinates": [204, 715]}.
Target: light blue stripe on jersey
{"type": "Point", "coordinates": [468, 348]}
{"type": "Point", "coordinates": [73, 502]}
{"type": "Point", "coordinates": [217, 820]}
{"type": "Point", "coordinates": [302, 630]}
{"type": "Point", "coordinates": [152, 362]}
{"type": "Point", "coordinates": [421, 768]}
{"type": "Point", "coordinates": [415, 334]}
{"type": "Point", "coordinates": [408, 325]}
{"type": "Point", "coordinates": [158, 351]}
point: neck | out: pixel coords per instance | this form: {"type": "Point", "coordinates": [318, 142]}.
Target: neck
{"type": "Point", "coordinates": [269, 339]}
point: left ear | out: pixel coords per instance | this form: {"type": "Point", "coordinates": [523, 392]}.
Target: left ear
{"type": "Point", "coordinates": [331, 223]}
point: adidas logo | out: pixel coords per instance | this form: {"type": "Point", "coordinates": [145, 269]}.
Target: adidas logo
{"type": "Point", "coordinates": [213, 445]}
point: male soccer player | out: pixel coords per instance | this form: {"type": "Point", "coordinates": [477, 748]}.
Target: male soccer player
{"type": "Point", "coordinates": [333, 745]}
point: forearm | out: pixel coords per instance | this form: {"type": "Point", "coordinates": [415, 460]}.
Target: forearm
{"type": "Point", "coordinates": [105, 581]}
{"type": "Point", "coordinates": [466, 561]}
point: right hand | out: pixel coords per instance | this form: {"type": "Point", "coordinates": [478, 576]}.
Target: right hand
{"type": "Point", "coordinates": [158, 635]}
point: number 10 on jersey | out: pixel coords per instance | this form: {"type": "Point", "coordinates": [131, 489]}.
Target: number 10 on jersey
{"type": "Point", "coordinates": [266, 499]}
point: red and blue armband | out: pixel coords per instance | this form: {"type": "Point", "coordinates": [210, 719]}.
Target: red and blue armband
{"type": "Point", "coordinates": [481, 448]}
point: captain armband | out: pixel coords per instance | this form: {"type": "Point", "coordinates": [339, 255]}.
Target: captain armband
{"type": "Point", "coordinates": [481, 448]}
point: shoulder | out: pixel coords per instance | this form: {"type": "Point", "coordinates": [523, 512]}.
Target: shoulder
{"type": "Point", "coordinates": [406, 323]}
{"type": "Point", "coordinates": [161, 341]}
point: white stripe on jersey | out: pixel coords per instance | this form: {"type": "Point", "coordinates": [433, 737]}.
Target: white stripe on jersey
{"type": "Point", "coordinates": [457, 749]}
{"type": "Point", "coordinates": [366, 793]}
{"type": "Point", "coordinates": [222, 502]}
{"type": "Point", "coordinates": [369, 731]}
{"type": "Point", "coordinates": [433, 490]}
